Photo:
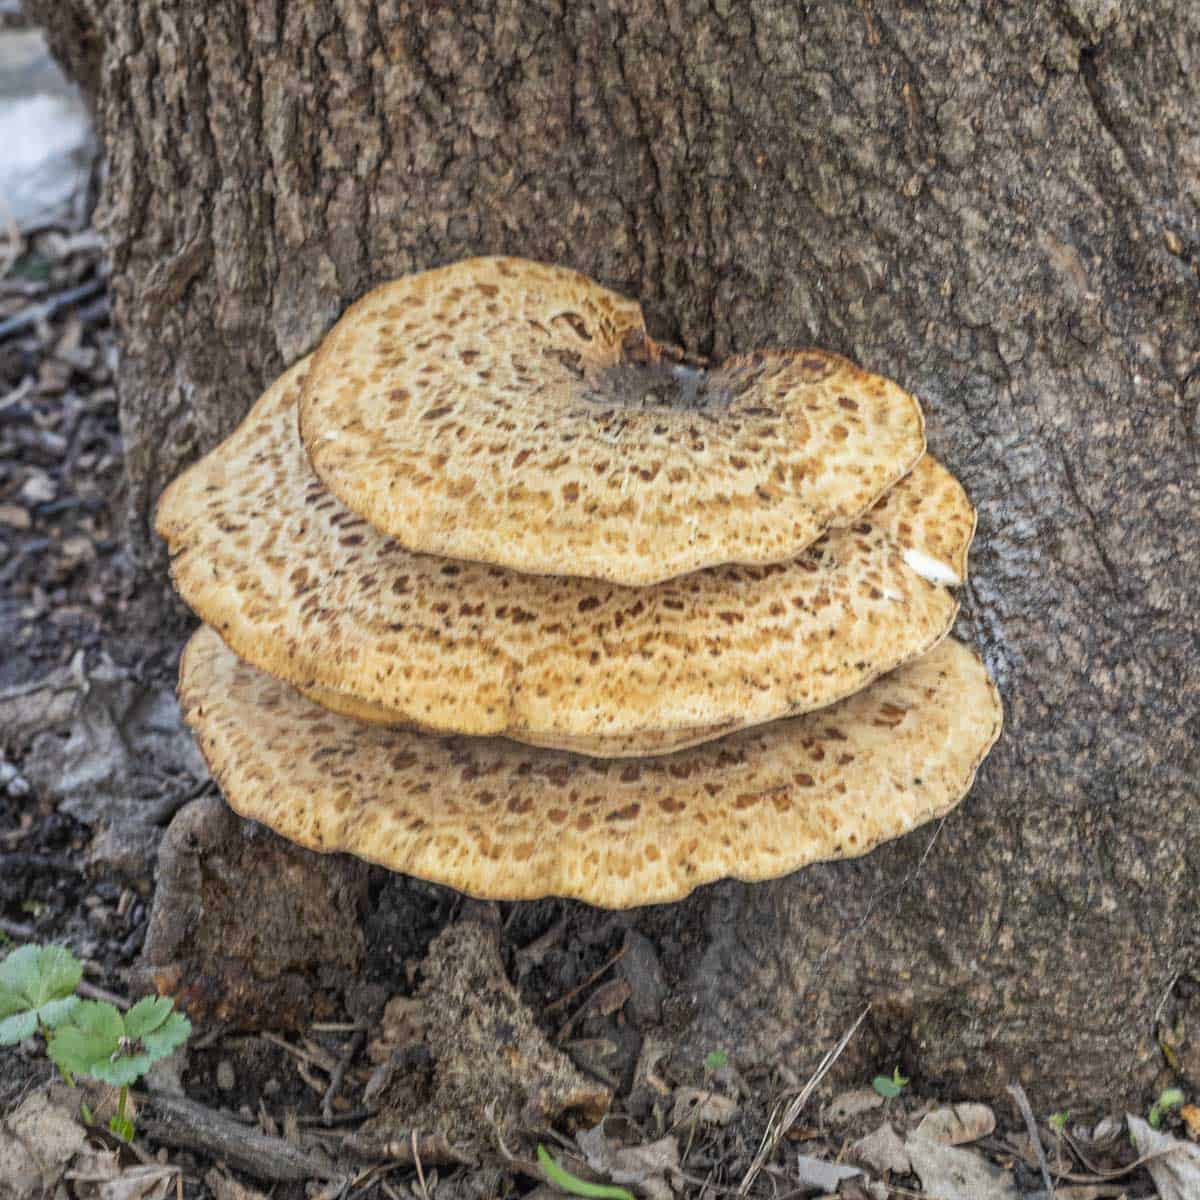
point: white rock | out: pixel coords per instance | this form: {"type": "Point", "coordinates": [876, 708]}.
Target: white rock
{"type": "Point", "coordinates": [46, 133]}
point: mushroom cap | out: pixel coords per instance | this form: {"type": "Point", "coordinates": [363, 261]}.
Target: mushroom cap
{"type": "Point", "coordinates": [301, 587]}
{"type": "Point", "coordinates": [500, 820]}
{"type": "Point", "coordinates": [503, 411]}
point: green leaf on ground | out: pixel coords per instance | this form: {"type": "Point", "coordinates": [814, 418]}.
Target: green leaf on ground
{"type": "Point", "coordinates": [98, 1042]}
{"type": "Point", "coordinates": [37, 985]}
{"type": "Point", "coordinates": [574, 1186]}
{"type": "Point", "coordinates": [1167, 1100]}
{"type": "Point", "coordinates": [889, 1089]}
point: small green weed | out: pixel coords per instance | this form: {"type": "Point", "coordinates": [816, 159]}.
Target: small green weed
{"type": "Point", "coordinates": [85, 1037]}
{"type": "Point", "coordinates": [889, 1088]}
{"type": "Point", "coordinates": [1167, 1100]}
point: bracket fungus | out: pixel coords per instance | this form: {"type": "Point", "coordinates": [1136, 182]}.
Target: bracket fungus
{"type": "Point", "coordinates": [504, 411]}
{"type": "Point", "coordinates": [302, 588]}
{"type": "Point", "coordinates": [711, 602]}
{"type": "Point", "coordinates": [493, 818]}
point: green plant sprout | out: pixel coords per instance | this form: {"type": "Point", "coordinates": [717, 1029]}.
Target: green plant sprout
{"type": "Point", "coordinates": [85, 1037]}
{"type": "Point", "coordinates": [37, 991]}
{"type": "Point", "coordinates": [889, 1088]}
{"type": "Point", "coordinates": [575, 1186]}
{"type": "Point", "coordinates": [1167, 1100]}
{"type": "Point", "coordinates": [716, 1060]}
{"type": "Point", "coordinates": [1058, 1120]}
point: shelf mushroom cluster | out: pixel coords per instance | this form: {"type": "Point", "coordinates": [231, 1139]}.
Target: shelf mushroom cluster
{"type": "Point", "coordinates": [501, 593]}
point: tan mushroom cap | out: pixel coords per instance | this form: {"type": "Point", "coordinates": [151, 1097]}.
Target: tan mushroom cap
{"type": "Point", "coordinates": [503, 411]}
{"type": "Point", "coordinates": [499, 820]}
{"type": "Point", "coordinates": [302, 588]}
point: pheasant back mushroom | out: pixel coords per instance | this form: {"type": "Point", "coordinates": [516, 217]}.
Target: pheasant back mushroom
{"type": "Point", "coordinates": [503, 411]}
{"type": "Point", "coordinates": [496, 819]}
{"type": "Point", "coordinates": [301, 587]}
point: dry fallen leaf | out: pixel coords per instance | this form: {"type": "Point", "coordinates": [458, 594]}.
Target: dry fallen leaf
{"type": "Point", "coordinates": [699, 1104]}
{"type": "Point", "coordinates": [111, 1182]}
{"type": "Point", "coordinates": [1174, 1165]}
{"type": "Point", "coordinates": [953, 1174]}
{"type": "Point", "coordinates": [956, 1124]}
{"type": "Point", "coordinates": [224, 1187]}
{"type": "Point", "coordinates": [37, 1142]}
{"type": "Point", "coordinates": [647, 1167]}
{"type": "Point", "coordinates": [15, 517]}
{"type": "Point", "coordinates": [1191, 1118]}
{"type": "Point", "coordinates": [820, 1176]}
{"type": "Point", "coordinates": [882, 1151]}
{"type": "Point", "coordinates": [848, 1105]}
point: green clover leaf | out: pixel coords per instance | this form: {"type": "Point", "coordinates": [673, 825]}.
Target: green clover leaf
{"type": "Point", "coordinates": [98, 1042]}
{"type": "Point", "coordinates": [37, 985]}
{"type": "Point", "coordinates": [153, 1022]}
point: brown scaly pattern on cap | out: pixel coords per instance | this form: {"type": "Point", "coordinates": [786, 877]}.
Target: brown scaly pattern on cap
{"type": "Point", "coordinates": [301, 587]}
{"type": "Point", "coordinates": [500, 820]}
{"type": "Point", "coordinates": [634, 745]}
{"type": "Point", "coordinates": [930, 513]}
{"type": "Point", "coordinates": [502, 411]}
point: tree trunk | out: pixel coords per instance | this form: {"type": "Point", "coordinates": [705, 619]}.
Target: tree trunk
{"type": "Point", "coordinates": [997, 205]}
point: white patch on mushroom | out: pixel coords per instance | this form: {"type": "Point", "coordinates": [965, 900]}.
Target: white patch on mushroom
{"type": "Point", "coordinates": [931, 568]}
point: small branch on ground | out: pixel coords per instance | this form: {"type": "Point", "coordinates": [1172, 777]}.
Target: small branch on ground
{"type": "Point", "coordinates": [186, 1125]}
{"type": "Point", "coordinates": [778, 1126]}
{"type": "Point", "coordinates": [1017, 1092]}
{"type": "Point", "coordinates": [48, 308]}
{"type": "Point", "coordinates": [339, 1074]}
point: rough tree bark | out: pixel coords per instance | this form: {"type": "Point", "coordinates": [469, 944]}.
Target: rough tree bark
{"type": "Point", "coordinates": [998, 205]}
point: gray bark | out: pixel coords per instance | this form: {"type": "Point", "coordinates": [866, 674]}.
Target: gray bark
{"type": "Point", "coordinates": [998, 205]}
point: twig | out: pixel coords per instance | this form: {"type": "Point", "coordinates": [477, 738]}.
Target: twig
{"type": "Point", "coordinates": [587, 983]}
{"type": "Point", "coordinates": [417, 1164]}
{"type": "Point", "coordinates": [346, 1118]}
{"type": "Point", "coordinates": [339, 1074]}
{"type": "Point", "coordinates": [778, 1126]}
{"type": "Point", "coordinates": [1094, 1174]}
{"type": "Point", "coordinates": [14, 929]}
{"type": "Point", "coordinates": [23, 389]}
{"type": "Point", "coordinates": [98, 993]}
{"type": "Point", "coordinates": [1017, 1092]}
{"type": "Point", "coordinates": [175, 1121]}
{"type": "Point", "coordinates": [322, 1061]}
{"type": "Point", "coordinates": [41, 312]}
{"type": "Point", "coordinates": [309, 1078]}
